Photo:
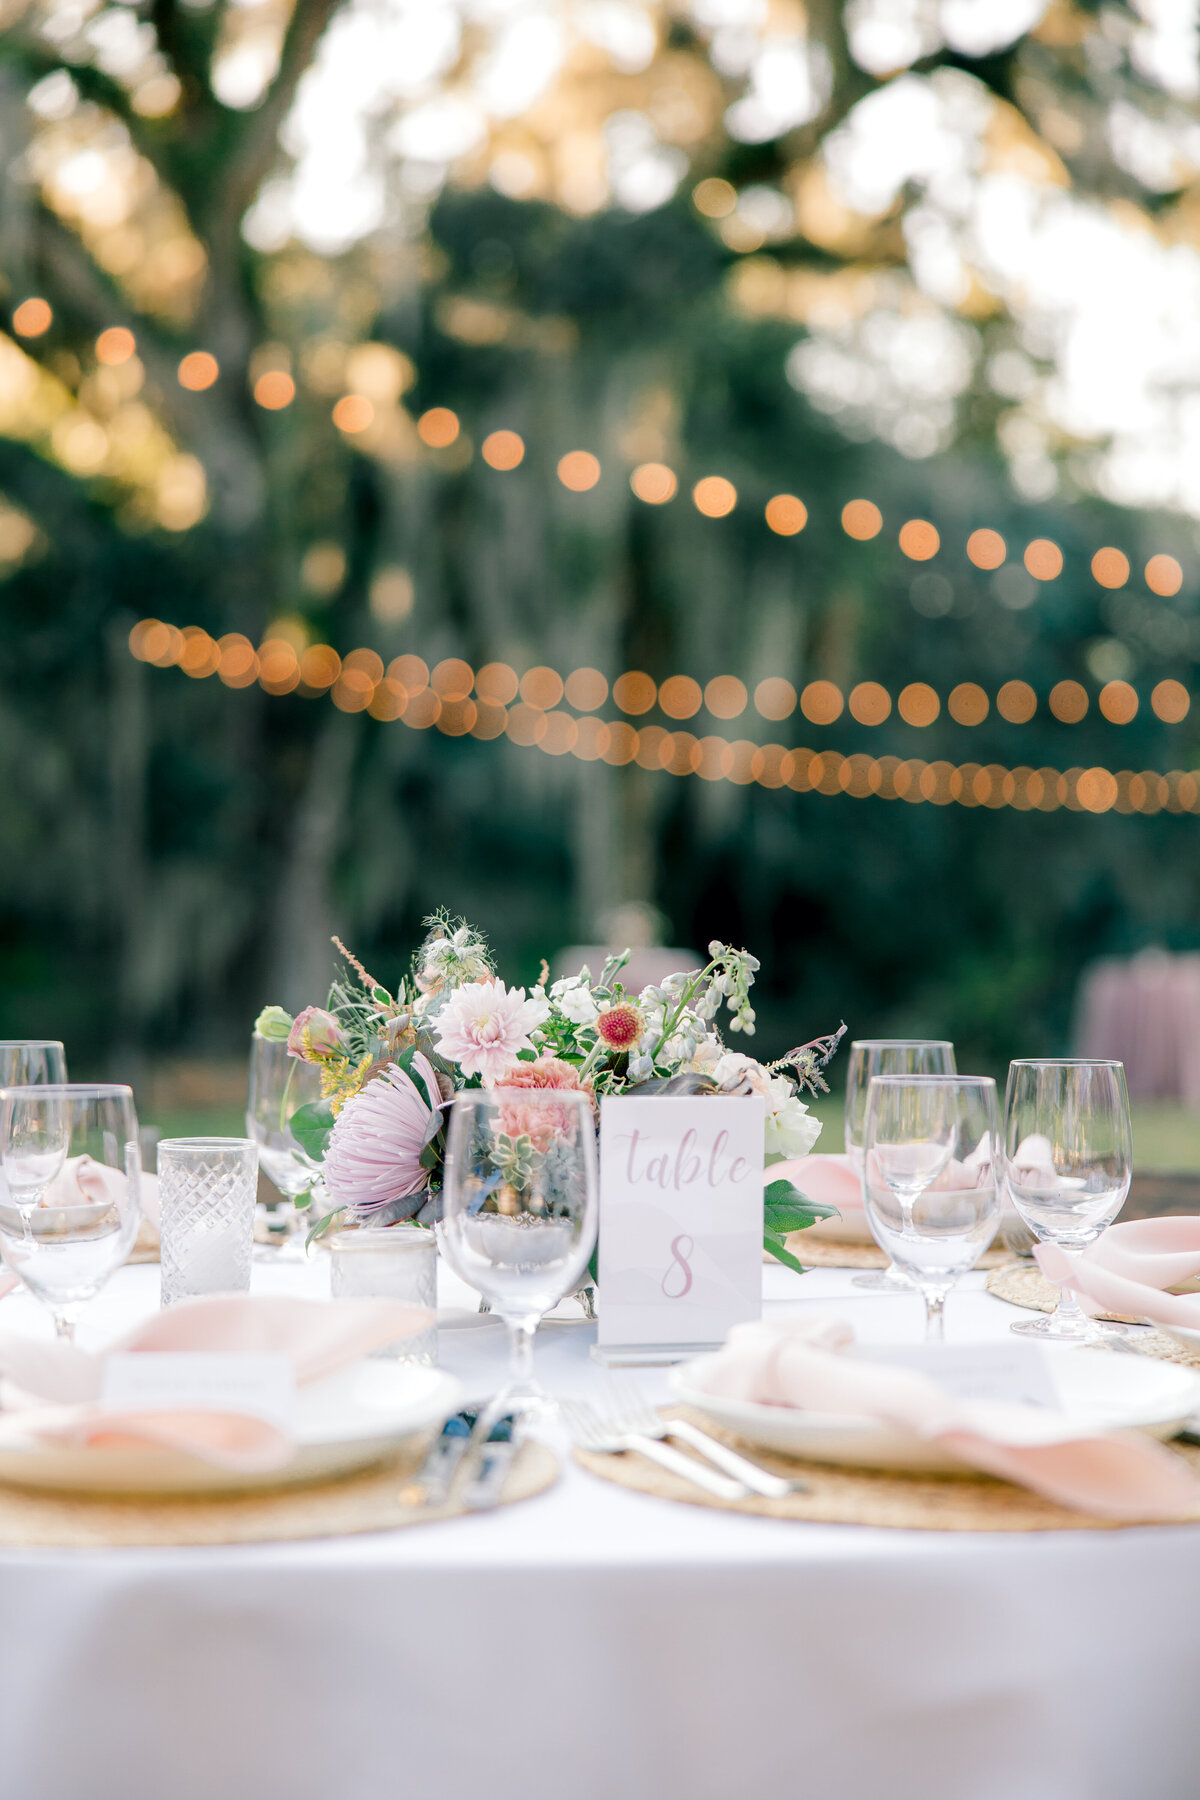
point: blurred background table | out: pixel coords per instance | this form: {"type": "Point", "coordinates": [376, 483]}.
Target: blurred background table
{"type": "Point", "coordinates": [596, 1642]}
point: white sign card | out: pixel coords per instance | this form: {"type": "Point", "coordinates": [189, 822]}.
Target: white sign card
{"type": "Point", "coordinates": [681, 1223]}
{"type": "Point", "coordinates": [263, 1386]}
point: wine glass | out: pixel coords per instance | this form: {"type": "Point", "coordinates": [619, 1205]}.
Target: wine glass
{"type": "Point", "coordinates": [25, 1062]}
{"type": "Point", "coordinates": [931, 1155]}
{"type": "Point", "coordinates": [279, 1085]}
{"type": "Point", "coordinates": [519, 1209]}
{"type": "Point", "coordinates": [886, 1056]}
{"type": "Point", "coordinates": [1068, 1162]}
{"type": "Point", "coordinates": [72, 1168]}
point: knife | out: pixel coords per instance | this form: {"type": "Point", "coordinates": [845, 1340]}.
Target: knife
{"type": "Point", "coordinates": [432, 1481]}
{"type": "Point", "coordinates": [495, 1458]}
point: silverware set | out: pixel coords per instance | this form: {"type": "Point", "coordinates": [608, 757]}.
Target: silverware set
{"type": "Point", "coordinates": [631, 1423]}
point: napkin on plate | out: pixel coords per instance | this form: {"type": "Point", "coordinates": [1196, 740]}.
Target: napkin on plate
{"type": "Point", "coordinates": [1127, 1268]}
{"type": "Point", "coordinates": [53, 1388]}
{"type": "Point", "coordinates": [833, 1181]}
{"type": "Point", "coordinates": [798, 1362]}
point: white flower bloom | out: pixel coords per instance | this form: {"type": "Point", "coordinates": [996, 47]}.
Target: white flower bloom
{"type": "Point", "coordinates": [577, 1005]}
{"type": "Point", "coordinates": [791, 1128]}
{"type": "Point", "coordinates": [640, 1068]}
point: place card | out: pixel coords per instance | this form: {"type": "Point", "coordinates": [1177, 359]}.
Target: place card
{"type": "Point", "coordinates": [681, 1224]}
{"type": "Point", "coordinates": [1016, 1374]}
{"type": "Point", "coordinates": [200, 1381]}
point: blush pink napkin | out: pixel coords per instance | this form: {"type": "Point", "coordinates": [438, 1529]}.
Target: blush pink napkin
{"type": "Point", "coordinates": [798, 1362]}
{"type": "Point", "coordinates": [834, 1181]}
{"type": "Point", "coordinates": [1127, 1268]}
{"type": "Point", "coordinates": [320, 1337]}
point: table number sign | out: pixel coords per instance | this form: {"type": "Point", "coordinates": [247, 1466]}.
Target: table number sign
{"type": "Point", "coordinates": [681, 1223]}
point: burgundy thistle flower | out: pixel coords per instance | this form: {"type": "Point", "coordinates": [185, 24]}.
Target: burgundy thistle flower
{"type": "Point", "coordinates": [620, 1026]}
{"type": "Point", "coordinates": [374, 1153]}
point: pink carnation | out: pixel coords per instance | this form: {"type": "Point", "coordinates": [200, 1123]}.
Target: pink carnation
{"type": "Point", "coordinates": [549, 1071]}
{"type": "Point", "coordinates": [542, 1123]}
{"type": "Point", "coordinates": [374, 1151]}
{"type": "Point", "coordinates": [484, 1024]}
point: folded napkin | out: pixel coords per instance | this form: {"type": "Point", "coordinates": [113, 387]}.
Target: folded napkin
{"type": "Point", "coordinates": [320, 1337]}
{"type": "Point", "coordinates": [1127, 1268]}
{"type": "Point", "coordinates": [798, 1362]}
{"type": "Point", "coordinates": [834, 1181]}
{"type": "Point", "coordinates": [82, 1182]}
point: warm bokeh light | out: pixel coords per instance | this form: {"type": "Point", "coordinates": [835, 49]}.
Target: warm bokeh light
{"type": "Point", "coordinates": [919, 540]}
{"type": "Point", "coordinates": [714, 496]}
{"type": "Point", "coordinates": [592, 740]}
{"type": "Point", "coordinates": [775, 698]}
{"type": "Point", "coordinates": [1068, 702]}
{"type": "Point", "coordinates": [526, 725]}
{"type": "Point", "coordinates": [1016, 702]}
{"type": "Point", "coordinates": [1118, 702]}
{"type": "Point", "coordinates": [115, 346]}
{"type": "Point", "coordinates": [198, 370]}
{"type": "Point", "coordinates": [503, 450]}
{"type": "Point", "coordinates": [439, 427]}
{"type": "Point", "coordinates": [412, 672]}
{"type": "Point", "coordinates": [861, 519]}
{"type": "Point", "coordinates": [353, 691]}
{"type": "Point", "coordinates": [320, 666]}
{"type": "Point", "coordinates": [622, 744]}
{"type": "Point", "coordinates": [986, 548]}
{"type": "Point", "coordinates": [725, 697]}
{"type": "Point", "coordinates": [275, 390]}
{"type": "Point", "coordinates": [452, 679]}
{"type": "Point", "coordinates": [33, 318]}
{"type": "Point", "coordinates": [634, 692]}
{"type": "Point", "coordinates": [654, 483]}
{"type": "Point", "coordinates": [239, 661]}
{"type": "Point", "coordinates": [278, 666]}
{"type": "Point", "coordinates": [457, 717]}
{"type": "Point", "coordinates": [586, 689]}
{"type": "Point", "coordinates": [786, 514]}
{"type": "Point", "coordinates": [1110, 567]}
{"type": "Point", "coordinates": [496, 684]}
{"type": "Point", "coordinates": [715, 198]}
{"type": "Point", "coordinates": [680, 697]}
{"type": "Point", "coordinates": [1096, 790]}
{"type": "Point", "coordinates": [967, 704]}
{"type": "Point", "coordinates": [1164, 576]}
{"type": "Point", "coordinates": [354, 413]}
{"type": "Point", "coordinates": [918, 704]}
{"type": "Point", "coordinates": [1043, 559]}
{"type": "Point", "coordinates": [870, 704]}
{"type": "Point", "coordinates": [560, 735]}
{"type": "Point", "coordinates": [578, 470]}
{"type": "Point", "coordinates": [1171, 702]}
{"type": "Point", "coordinates": [423, 708]}
{"type": "Point", "coordinates": [542, 687]}
{"type": "Point", "coordinates": [200, 656]}
{"type": "Point", "coordinates": [821, 702]}
{"type": "Point", "coordinates": [490, 721]}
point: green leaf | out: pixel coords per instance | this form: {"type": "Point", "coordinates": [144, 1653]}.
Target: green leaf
{"type": "Point", "coordinates": [776, 1247]}
{"type": "Point", "coordinates": [311, 1125]}
{"type": "Point", "coordinates": [786, 1217]}
{"type": "Point", "coordinates": [322, 1226]}
{"type": "Point", "coordinates": [381, 996]}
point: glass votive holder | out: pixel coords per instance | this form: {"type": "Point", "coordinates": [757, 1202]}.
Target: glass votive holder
{"type": "Point", "coordinates": [206, 1193]}
{"type": "Point", "coordinates": [391, 1262]}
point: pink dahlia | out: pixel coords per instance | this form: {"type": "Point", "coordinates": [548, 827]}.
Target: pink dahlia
{"type": "Point", "coordinates": [620, 1026]}
{"type": "Point", "coordinates": [484, 1024]}
{"type": "Point", "coordinates": [374, 1151]}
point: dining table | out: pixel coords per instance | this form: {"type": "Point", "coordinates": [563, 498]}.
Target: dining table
{"type": "Point", "coordinates": [597, 1643]}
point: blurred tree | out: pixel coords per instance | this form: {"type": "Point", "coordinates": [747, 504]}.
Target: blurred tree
{"type": "Point", "coordinates": [804, 251]}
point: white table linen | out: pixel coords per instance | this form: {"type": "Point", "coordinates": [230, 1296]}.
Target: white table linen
{"type": "Point", "coordinates": [599, 1644]}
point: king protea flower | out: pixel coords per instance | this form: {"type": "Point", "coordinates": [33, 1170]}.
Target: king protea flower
{"type": "Point", "coordinates": [374, 1152]}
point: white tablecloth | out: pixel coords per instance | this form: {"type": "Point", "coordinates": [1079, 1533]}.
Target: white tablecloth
{"type": "Point", "coordinates": [597, 1644]}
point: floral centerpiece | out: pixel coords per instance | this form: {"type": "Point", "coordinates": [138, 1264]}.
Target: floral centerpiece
{"type": "Point", "coordinates": [391, 1062]}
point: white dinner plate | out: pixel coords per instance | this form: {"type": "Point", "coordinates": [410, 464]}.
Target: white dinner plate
{"type": "Point", "coordinates": [345, 1422]}
{"type": "Point", "coordinates": [1096, 1391]}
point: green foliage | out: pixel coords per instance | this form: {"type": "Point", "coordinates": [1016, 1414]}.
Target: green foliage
{"type": "Point", "coordinates": [786, 1209]}
{"type": "Point", "coordinates": [311, 1125]}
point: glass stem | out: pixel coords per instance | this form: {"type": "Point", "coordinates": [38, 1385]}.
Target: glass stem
{"type": "Point", "coordinates": [64, 1328]}
{"type": "Point", "coordinates": [1068, 1312]}
{"type": "Point", "coordinates": [520, 1349]}
{"type": "Point", "coordinates": [935, 1315]}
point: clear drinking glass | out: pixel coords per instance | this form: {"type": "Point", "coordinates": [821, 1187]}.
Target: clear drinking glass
{"type": "Point", "coordinates": [28, 1062]}
{"type": "Point", "coordinates": [931, 1159]}
{"type": "Point", "coordinates": [71, 1203]}
{"type": "Point", "coordinates": [279, 1085]}
{"type": "Point", "coordinates": [519, 1208]}
{"type": "Point", "coordinates": [1068, 1162]}
{"type": "Point", "coordinates": [886, 1056]}
{"type": "Point", "coordinates": [393, 1262]}
{"type": "Point", "coordinates": [206, 1192]}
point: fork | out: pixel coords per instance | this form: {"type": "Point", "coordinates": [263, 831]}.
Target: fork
{"type": "Point", "coordinates": [590, 1432]}
{"type": "Point", "coordinates": [631, 1411]}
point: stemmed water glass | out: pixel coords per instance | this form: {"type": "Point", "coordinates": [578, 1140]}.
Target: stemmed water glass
{"type": "Point", "coordinates": [931, 1159]}
{"type": "Point", "coordinates": [1068, 1162]}
{"type": "Point", "coordinates": [279, 1085]}
{"type": "Point", "coordinates": [25, 1062]}
{"type": "Point", "coordinates": [519, 1210]}
{"type": "Point", "coordinates": [71, 1201]}
{"type": "Point", "coordinates": [886, 1056]}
